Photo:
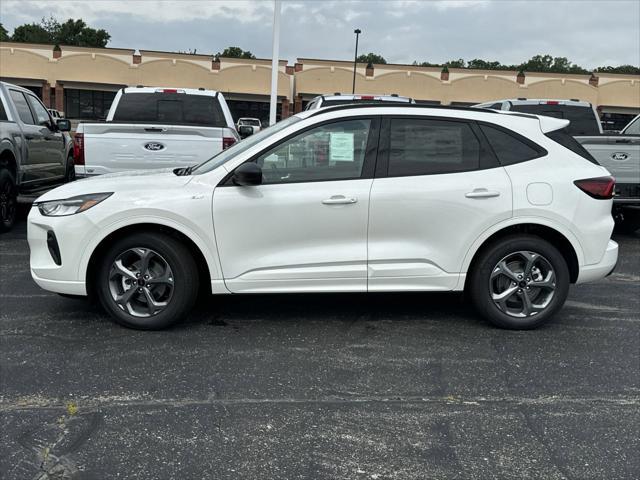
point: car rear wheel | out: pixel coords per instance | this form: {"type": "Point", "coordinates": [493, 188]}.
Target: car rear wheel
{"type": "Point", "coordinates": [519, 282]}
{"type": "Point", "coordinates": [8, 200]}
{"type": "Point", "coordinates": [147, 282]}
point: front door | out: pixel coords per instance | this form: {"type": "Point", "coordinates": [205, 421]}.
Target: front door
{"type": "Point", "coordinates": [305, 227]}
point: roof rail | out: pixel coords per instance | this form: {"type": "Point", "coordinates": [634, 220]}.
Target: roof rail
{"type": "Point", "coordinates": [349, 106]}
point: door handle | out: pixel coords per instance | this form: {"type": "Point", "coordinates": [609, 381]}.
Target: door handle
{"type": "Point", "coordinates": [339, 200]}
{"type": "Point", "coordinates": [625, 140]}
{"type": "Point", "coordinates": [154, 129]}
{"type": "Point", "coordinates": [482, 193]}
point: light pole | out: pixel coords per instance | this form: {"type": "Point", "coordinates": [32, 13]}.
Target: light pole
{"type": "Point", "coordinates": [275, 49]}
{"type": "Point", "coordinates": [357, 31]}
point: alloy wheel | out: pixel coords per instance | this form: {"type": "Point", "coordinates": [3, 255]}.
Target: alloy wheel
{"type": "Point", "coordinates": [141, 282]}
{"type": "Point", "coordinates": [522, 284]}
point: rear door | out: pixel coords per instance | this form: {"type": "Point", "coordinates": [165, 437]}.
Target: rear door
{"type": "Point", "coordinates": [54, 165]}
{"type": "Point", "coordinates": [437, 188]}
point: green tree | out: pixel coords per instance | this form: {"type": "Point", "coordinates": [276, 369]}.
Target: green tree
{"type": "Point", "coordinates": [236, 52]}
{"type": "Point", "coordinates": [71, 32]}
{"type": "Point", "coordinates": [31, 33]}
{"type": "Point", "coordinates": [459, 63]}
{"type": "Point", "coordinates": [627, 69]}
{"type": "Point", "coordinates": [371, 58]}
{"type": "Point", "coordinates": [76, 32]}
{"type": "Point", "coordinates": [4, 35]}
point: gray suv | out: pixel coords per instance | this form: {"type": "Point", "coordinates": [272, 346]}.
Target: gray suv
{"type": "Point", "coordinates": [35, 151]}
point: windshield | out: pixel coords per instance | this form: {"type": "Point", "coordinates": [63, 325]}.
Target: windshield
{"type": "Point", "coordinates": [242, 146]}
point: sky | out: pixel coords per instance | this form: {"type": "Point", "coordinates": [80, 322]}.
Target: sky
{"type": "Point", "coordinates": [589, 33]}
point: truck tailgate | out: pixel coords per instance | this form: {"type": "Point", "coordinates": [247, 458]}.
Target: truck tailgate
{"type": "Point", "coordinates": [113, 147]}
{"type": "Point", "coordinates": [620, 154]}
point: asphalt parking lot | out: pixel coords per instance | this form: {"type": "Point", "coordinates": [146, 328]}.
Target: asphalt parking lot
{"type": "Point", "coordinates": [385, 386]}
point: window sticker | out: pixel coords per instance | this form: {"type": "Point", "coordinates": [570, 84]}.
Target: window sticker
{"type": "Point", "coordinates": [341, 147]}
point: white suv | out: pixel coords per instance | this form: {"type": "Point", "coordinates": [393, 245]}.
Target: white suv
{"type": "Point", "coordinates": [344, 199]}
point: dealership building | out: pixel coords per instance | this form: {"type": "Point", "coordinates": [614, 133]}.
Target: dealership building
{"type": "Point", "coordinates": [82, 82]}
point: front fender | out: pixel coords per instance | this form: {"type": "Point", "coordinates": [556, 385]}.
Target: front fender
{"type": "Point", "coordinates": [205, 244]}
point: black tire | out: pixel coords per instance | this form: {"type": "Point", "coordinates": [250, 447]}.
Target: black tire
{"type": "Point", "coordinates": [70, 172]}
{"type": "Point", "coordinates": [184, 281]}
{"type": "Point", "coordinates": [8, 200]}
{"type": "Point", "coordinates": [482, 280]}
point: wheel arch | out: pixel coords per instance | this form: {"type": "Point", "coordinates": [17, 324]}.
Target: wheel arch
{"type": "Point", "coordinates": [8, 157]}
{"type": "Point", "coordinates": [564, 241]}
{"type": "Point", "coordinates": [203, 259]}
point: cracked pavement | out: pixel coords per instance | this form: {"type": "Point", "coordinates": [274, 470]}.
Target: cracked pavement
{"type": "Point", "coordinates": [378, 386]}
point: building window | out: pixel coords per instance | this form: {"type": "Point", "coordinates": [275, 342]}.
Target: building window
{"type": "Point", "coordinates": [87, 104]}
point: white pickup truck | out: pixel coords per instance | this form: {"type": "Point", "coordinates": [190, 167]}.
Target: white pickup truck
{"type": "Point", "coordinates": [155, 127]}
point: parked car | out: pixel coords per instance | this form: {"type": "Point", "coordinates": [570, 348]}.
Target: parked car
{"type": "Point", "coordinates": [619, 153]}
{"type": "Point", "coordinates": [55, 114]}
{"type": "Point", "coordinates": [35, 151]}
{"type": "Point", "coordinates": [344, 99]}
{"type": "Point", "coordinates": [344, 199]}
{"type": "Point", "coordinates": [153, 127]}
{"type": "Point", "coordinates": [254, 123]}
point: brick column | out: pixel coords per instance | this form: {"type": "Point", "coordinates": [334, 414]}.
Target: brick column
{"type": "Point", "coordinates": [46, 94]}
{"type": "Point", "coordinates": [59, 97]}
{"type": "Point", "coordinates": [285, 109]}
{"type": "Point", "coordinates": [297, 104]}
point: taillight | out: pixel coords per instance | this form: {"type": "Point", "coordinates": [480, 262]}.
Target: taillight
{"type": "Point", "coordinates": [78, 149]}
{"type": "Point", "coordinates": [552, 102]}
{"type": "Point", "coordinates": [227, 142]}
{"type": "Point", "coordinates": [601, 188]}
{"type": "Point", "coordinates": [367, 97]}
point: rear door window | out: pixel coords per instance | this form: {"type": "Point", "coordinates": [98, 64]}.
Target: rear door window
{"type": "Point", "coordinates": [24, 112]}
{"type": "Point", "coordinates": [583, 119]}
{"type": "Point", "coordinates": [428, 147]}
{"type": "Point", "coordinates": [509, 147]}
{"type": "Point", "coordinates": [170, 108]}
{"type": "Point", "coordinates": [42, 116]}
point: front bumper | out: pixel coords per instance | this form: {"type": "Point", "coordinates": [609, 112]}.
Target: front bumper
{"type": "Point", "coordinates": [72, 233]}
{"type": "Point", "coordinates": [597, 271]}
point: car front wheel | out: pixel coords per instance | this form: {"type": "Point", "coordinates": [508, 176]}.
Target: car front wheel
{"type": "Point", "coordinates": [147, 281]}
{"type": "Point", "coordinates": [519, 282]}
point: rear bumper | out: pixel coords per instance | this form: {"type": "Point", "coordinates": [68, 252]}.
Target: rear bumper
{"type": "Point", "coordinates": [597, 271]}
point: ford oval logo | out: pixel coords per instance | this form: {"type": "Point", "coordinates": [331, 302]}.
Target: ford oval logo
{"type": "Point", "coordinates": [154, 146]}
{"type": "Point", "coordinates": [619, 156]}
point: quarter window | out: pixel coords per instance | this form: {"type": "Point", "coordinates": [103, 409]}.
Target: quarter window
{"type": "Point", "coordinates": [508, 148]}
{"type": "Point", "coordinates": [3, 113]}
{"type": "Point", "coordinates": [21, 106]}
{"type": "Point", "coordinates": [333, 151]}
{"type": "Point", "coordinates": [427, 147]}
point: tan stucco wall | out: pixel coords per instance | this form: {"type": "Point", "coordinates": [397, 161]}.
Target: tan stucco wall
{"type": "Point", "coordinates": [115, 66]}
{"type": "Point", "coordinates": [463, 85]}
{"type": "Point", "coordinates": [253, 77]}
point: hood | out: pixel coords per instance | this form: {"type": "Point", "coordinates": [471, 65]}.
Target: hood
{"type": "Point", "coordinates": [135, 180]}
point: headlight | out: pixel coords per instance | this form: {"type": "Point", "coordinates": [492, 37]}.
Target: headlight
{"type": "Point", "coordinates": [70, 206]}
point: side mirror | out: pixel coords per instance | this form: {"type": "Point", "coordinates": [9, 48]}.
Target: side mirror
{"type": "Point", "coordinates": [247, 174]}
{"type": "Point", "coordinates": [245, 131]}
{"type": "Point", "coordinates": [63, 125]}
